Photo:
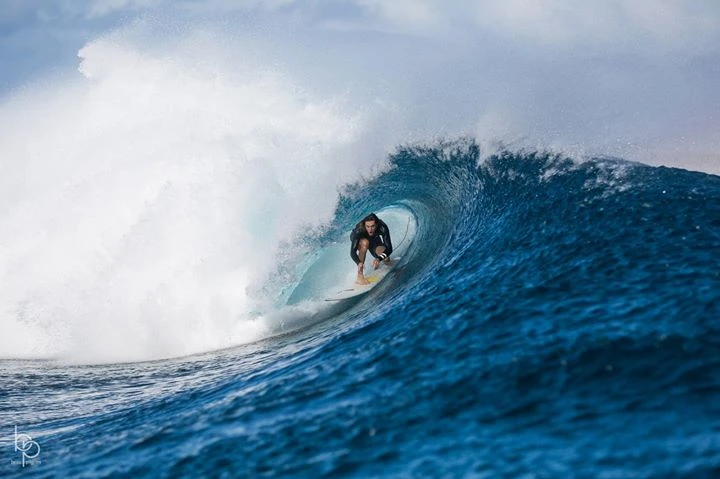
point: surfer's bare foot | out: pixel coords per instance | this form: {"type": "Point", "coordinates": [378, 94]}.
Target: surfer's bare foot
{"type": "Point", "coordinates": [361, 274]}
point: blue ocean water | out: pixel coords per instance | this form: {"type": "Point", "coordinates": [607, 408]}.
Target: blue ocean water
{"type": "Point", "coordinates": [551, 318]}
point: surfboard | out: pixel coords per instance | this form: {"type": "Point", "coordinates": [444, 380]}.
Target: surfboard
{"type": "Point", "coordinates": [359, 289]}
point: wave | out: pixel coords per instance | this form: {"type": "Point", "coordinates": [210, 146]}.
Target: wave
{"type": "Point", "coordinates": [545, 301]}
{"type": "Point", "coordinates": [143, 203]}
{"type": "Point", "coordinates": [167, 209]}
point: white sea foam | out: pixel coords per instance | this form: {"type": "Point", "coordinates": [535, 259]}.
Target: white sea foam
{"type": "Point", "coordinates": [142, 202]}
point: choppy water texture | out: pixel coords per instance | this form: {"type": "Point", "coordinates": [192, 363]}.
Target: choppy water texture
{"type": "Point", "coordinates": [552, 318]}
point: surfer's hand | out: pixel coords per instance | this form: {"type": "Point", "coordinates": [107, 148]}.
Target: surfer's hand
{"type": "Point", "coordinates": [376, 263]}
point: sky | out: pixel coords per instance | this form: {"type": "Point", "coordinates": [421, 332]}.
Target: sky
{"type": "Point", "coordinates": [630, 78]}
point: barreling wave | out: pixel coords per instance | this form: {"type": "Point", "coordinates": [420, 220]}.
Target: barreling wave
{"type": "Point", "coordinates": [594, 228]}
{"type": "Point", "coordinates": [549, 311]}
{"type": "Point", "coordinates": [541, 218]}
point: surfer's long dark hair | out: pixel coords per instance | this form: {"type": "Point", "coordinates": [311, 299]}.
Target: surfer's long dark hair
{"type": "Point", "coordinates": [370, 217]}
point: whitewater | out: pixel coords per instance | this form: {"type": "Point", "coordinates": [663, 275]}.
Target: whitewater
{"type": "Point", "coordinates": [148, 202]}
{"type": "Point", "coordinates": [173, 217]}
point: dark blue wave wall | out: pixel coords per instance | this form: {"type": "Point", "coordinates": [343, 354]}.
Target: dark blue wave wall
{"type": "Point", "coordinates": [569, 312]}
{"type": "Point", "coordinates": [554, 319]}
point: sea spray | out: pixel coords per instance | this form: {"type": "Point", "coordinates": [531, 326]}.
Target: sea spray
{"type": "Point", "coordinates": [145, 200]}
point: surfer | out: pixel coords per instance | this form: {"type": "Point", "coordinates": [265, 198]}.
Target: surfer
{"type": "Point", "coordinates": [370, 234]}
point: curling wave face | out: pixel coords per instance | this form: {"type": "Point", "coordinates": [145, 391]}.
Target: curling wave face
{"type": "Point", "coordinates": [550, 310]}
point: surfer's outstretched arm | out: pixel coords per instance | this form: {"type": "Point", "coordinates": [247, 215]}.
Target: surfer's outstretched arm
{"type": "Point", "coordinates": [354, 245]}
{"type": "Point", "coordinates": [388, 242]}
{"type": "Point", "coordinates": [382, 252]}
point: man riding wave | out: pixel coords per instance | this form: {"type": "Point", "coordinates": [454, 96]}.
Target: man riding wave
{"type": "Point", "coordinates": [374, 235]}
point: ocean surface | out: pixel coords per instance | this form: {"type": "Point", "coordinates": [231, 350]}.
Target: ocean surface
{"type": "Point", "coordinates": [549, 317]}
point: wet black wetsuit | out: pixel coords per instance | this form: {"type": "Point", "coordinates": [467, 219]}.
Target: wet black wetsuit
{"type": "Point", "coordinates": [381, 238]}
